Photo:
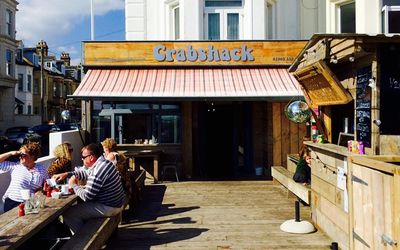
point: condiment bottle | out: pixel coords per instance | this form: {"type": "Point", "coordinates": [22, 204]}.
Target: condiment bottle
{"type": "Point", "coordinates": [48, 191]}
{"type": "Point", "coordinates": [21, 209]}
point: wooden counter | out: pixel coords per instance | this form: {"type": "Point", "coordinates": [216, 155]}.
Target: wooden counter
{"type": "Point", "coordinates": [329, 202]}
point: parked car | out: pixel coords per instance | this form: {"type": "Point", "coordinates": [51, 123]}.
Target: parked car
{"type": "Point", "coordinates": [7, 145]}
{"type": "Point", "coordinates": [40, 133]}
{"type": "Point", "coordinates": [17, 134]}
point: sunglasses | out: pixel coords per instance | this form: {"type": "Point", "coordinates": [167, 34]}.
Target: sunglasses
{"type": "Point", "coordinates": [84, 157]}
{"type": "Point", "coordinates": [22, 155]}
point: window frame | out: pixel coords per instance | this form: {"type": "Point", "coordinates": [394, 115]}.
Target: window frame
{"type": "Point", "coordinates": [339, 16]}
{"type": "Point", "coordinates": [223, 20]}
{"type": "Point", "coordinates": [270, 35]}
{"type": "Point", "coordinates": [9, 63]}
{"type": "Point", "coordinates": [9, 22]}
{"type": "Point", "coordinates": [385, 17]}
{"type": "Point", "coordinates": [20, 82]}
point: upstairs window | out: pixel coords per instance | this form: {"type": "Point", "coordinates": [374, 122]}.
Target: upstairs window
{"type": "Point", "coordinates": [391, 19]}
{"type": "Point", "coordinates": [347, 18]}
{"type": "Point", "coordinates": [270, 18]}
{"type": "Point", "coordinates": [223, 19]}
{"type": "Point", "coordinates": [223, 3]}
{"type": "Point", "coordinates": [9, 22]}
{"type": "Point", "coordinates": [9, 62]}
{"type": "Point", "coordinates": [29, 83]}
{"type": "Point", "coordinates": [177, 34]}
{"type": "Point", "coordinates": [20, 82]}
{"type": "Point", "coordinates": [36, 87]}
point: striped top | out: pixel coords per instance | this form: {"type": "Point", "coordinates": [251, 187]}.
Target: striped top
{"type": "Point", "coordinates": [23, 178]}
{"type": "Point", "coordinates": [103, 184]}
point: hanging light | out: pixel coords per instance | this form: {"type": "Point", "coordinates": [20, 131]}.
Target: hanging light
{"type": "Point", "coordinates": [297, 111]}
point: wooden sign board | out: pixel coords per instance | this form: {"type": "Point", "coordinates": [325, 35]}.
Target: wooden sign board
{"type": "Point", "coordinates": [190, 53]}
{"type": "Point", "coordinates": [321, 85]}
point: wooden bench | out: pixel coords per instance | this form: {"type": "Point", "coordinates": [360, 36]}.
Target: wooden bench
{"type": "Point", "coordinates": [285, 177]}
{"type": "Point", "coordinates": [95, 232]}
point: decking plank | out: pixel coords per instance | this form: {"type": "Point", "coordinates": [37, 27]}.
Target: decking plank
{"type": "Point", "coordinates": [215, 215]}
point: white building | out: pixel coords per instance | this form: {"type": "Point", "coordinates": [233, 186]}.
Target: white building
{"type": "Point", "coordinates": [223, 19]}
{"type": "Point", "coordinates": [8, 47]}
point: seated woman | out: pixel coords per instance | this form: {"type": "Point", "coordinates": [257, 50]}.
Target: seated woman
{"type": "Point", "coordinates": [25, 174]}
{"type": "Point", "coordinates": [119, 161]}
{"type": "Point", "coordinates": [62, 163]}
{"type": "Point", "coordinates": [303, 168]}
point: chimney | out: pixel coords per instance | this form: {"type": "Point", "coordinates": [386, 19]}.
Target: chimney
{"type": "Point", "coordinates": [65, 58]}
{"type": "Point", "coordinates": [42, 45]}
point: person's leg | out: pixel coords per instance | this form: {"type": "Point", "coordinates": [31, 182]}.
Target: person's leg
{"type": "Point", "coordinates": [76, 216]}
{"type": "Point", "coordinates": [10, 204]}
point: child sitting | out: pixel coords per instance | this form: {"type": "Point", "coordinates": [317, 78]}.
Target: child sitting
{"type": "Point", "coordinates": [303, 168]}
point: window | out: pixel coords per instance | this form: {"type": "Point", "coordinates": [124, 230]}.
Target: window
{"type": "Point", "coordinates": [347, 18]}
{"type": "Point", "coordinates": [9, 63]}
{"type": "Point", "coordinates": [29, 83]}
{"type": "Point", "coordinates": [270, 18]}
{"type": "Point", "coordinates": [20, 82]}
{"type": "Point", "coordinates": [9, 22]}
{"type": "Point", "coordinates": [36, 110]}
{"type": "Point", "coordinates": [176, 16]}
{"type": "Point", "coordinates": [161, 122]}
{"type": "Point", "coordinates": [223, 20]}
{"type": "Point", "coordinates": [29, 109]}
{"type": "Point", "coordinates": [36, 87]}
{"type": "Point", "coordinates": [391, 19]}
{"type": "Point", "coordinates": [20, 109]}
{"type": "Point", "coordinates": [223, 3]}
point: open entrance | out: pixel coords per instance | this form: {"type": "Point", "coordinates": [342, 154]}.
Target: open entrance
{"type": "Point", "coordinates": [222, 140]}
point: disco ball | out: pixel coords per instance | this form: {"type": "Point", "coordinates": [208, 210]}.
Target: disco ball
{"type": "Point", "coordinates": [298, 112]}
{"type": "Point", "coordinates": [65, 114]}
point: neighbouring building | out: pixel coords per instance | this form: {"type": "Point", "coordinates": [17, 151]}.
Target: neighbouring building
{"type": "Point", "coordinates": [8, 46]}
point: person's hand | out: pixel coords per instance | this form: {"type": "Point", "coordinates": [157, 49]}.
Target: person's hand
{"type": "Point", "coordinates": [59, 177]}
{"type": "Point", "coordinates": [15, 153]}
{"type": "Point", "coordinates": [72, 181]}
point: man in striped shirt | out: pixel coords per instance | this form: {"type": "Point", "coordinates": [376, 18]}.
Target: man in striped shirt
{"type": "Point", "coordinates": [103, 194]}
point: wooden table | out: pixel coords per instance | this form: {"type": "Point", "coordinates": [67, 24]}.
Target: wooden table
{"type": "Point", "coordinates": [147, 153]}
{"type": "Point", "coordinates": [16, 230]}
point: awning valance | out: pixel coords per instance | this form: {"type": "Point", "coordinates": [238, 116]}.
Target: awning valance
{"type": "Point", "coordinates": [185, 83]}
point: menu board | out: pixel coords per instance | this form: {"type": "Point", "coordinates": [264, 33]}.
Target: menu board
{"type": "Point", "coordinates": [363, 106]}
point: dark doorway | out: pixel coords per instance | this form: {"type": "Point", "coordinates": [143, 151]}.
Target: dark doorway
{"type": "Point", "coordinates": [216, 136]}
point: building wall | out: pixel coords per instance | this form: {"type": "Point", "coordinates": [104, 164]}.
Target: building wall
{"type": "Point", "coordinates": [151, 19]}
{"type": "Point", "coordinates": [7, 82]}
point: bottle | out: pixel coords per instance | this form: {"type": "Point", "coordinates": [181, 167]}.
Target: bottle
{"type": "Point", "coordinates": [48, 191]}
{"type": "Point", "coordinates": [314, 133]}
{"type": "Point", "coordinates": [21, 209]}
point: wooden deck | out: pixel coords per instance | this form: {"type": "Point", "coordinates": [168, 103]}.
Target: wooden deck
{"type": "Point", "coordinates": [214, 215]}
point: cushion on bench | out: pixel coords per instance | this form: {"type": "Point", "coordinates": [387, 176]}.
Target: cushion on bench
{"type": "Point", "coordinates": [283, 176]}
{"type": "Point", "coordinates": [94, 233]}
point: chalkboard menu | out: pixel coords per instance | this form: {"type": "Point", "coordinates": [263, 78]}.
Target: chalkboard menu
{"type": "Point", "coordinates": [363, 106]}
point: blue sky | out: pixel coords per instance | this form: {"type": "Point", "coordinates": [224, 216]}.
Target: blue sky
{"type": "Point", "coordinates": [65, 24]}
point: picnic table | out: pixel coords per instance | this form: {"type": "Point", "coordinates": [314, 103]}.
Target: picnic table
{"type": "Point", "coordinates": [147, 153]}
{"type": "Point", "coordinates": [14, 230]}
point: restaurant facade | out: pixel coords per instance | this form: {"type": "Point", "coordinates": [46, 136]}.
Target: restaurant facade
{"type": "Point", "coordinates": [218, 107]}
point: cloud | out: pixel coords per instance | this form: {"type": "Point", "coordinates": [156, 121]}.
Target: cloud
{"type": "Point", "coordinates": [52, 20]}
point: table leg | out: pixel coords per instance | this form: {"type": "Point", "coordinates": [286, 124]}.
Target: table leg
{"type": "Point", "coordinates": [155, 164]}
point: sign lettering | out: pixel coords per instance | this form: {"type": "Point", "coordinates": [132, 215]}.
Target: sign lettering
{"type": "Point", "coordinates": [211, 54]}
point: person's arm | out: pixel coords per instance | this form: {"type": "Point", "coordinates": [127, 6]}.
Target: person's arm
{"type": "Point", "coordinates": [7, 155]}
{"type": "Point", "coordinates": [7, 166]}
{"type": "Point", "coordinates": [93, 185]}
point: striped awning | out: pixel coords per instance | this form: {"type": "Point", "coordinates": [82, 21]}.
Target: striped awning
{"type": "Point", "coordinates": [188, 83]}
